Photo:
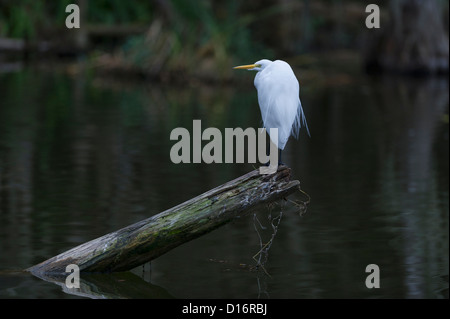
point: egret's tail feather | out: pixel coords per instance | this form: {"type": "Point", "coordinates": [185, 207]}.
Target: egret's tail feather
{"type": "Point", "coordinates": [300, 120]}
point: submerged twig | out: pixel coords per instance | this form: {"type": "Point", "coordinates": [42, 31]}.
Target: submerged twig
{"type": "Point", "coordinates": [264, 248]}
{"type": "Point", "coordinates": [302, 205]}
{"type": "Point", "coordinates": [262, 255]}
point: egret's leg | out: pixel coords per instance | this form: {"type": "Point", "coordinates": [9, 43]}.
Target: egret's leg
{"type": "Point", "coordinates": [268, 153]}
{"type": "Point", "coordinates": [279, 158]}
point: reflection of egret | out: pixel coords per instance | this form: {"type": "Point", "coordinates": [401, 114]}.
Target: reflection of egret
{"type": "Point", "coordinates": [278, 97]}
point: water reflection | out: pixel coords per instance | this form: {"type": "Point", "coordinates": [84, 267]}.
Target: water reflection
{"type": "Point", "coordinates": [121, 285]}
{"type": "Point", "coordinates": [410, 183]}
{"type": "Point", "coordinates": [83, 156]}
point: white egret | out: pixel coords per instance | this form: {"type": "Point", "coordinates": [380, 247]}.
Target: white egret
{"type": "Point", "coordinates": [278, 98]}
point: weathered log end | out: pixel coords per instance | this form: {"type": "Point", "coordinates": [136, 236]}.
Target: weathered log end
{"type": "Point", "coordinates": [148, 239]}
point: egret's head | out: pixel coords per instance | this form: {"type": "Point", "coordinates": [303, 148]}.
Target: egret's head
{"type": "Point", "coordinates": [257, 66]}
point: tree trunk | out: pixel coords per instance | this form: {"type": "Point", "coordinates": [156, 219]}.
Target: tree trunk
{"type": "Point", "coordinates": [141, 242]}
{"type": "Point", "coordinates": [414, 41]}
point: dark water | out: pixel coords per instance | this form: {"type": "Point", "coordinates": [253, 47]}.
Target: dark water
{"type": "Point", "coordinates": [81, 157]}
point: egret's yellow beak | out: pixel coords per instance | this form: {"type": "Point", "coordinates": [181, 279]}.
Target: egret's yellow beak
{"type": "Point", "coordinates": [246, 67]}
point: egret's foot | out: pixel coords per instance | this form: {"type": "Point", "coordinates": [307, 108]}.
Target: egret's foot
{"type": "Point", "coordinates": [268, 164]}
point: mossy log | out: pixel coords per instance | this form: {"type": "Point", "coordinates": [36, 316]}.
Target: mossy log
{"type": "Point", "coordinates": [148, 239]}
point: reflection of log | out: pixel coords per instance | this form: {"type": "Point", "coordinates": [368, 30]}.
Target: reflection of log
{"type": "Point", "coordinates": [143, 241]}
{"type": "Point", "coordinates": [122, 285]}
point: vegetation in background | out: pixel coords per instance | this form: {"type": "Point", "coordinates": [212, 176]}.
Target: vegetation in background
{"type": "Point", "coordinates": [34, 18]}
{"type": "Point", "coordinates": [194, 38]}
{"type": "Point", "coordinates": [200, 40]}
